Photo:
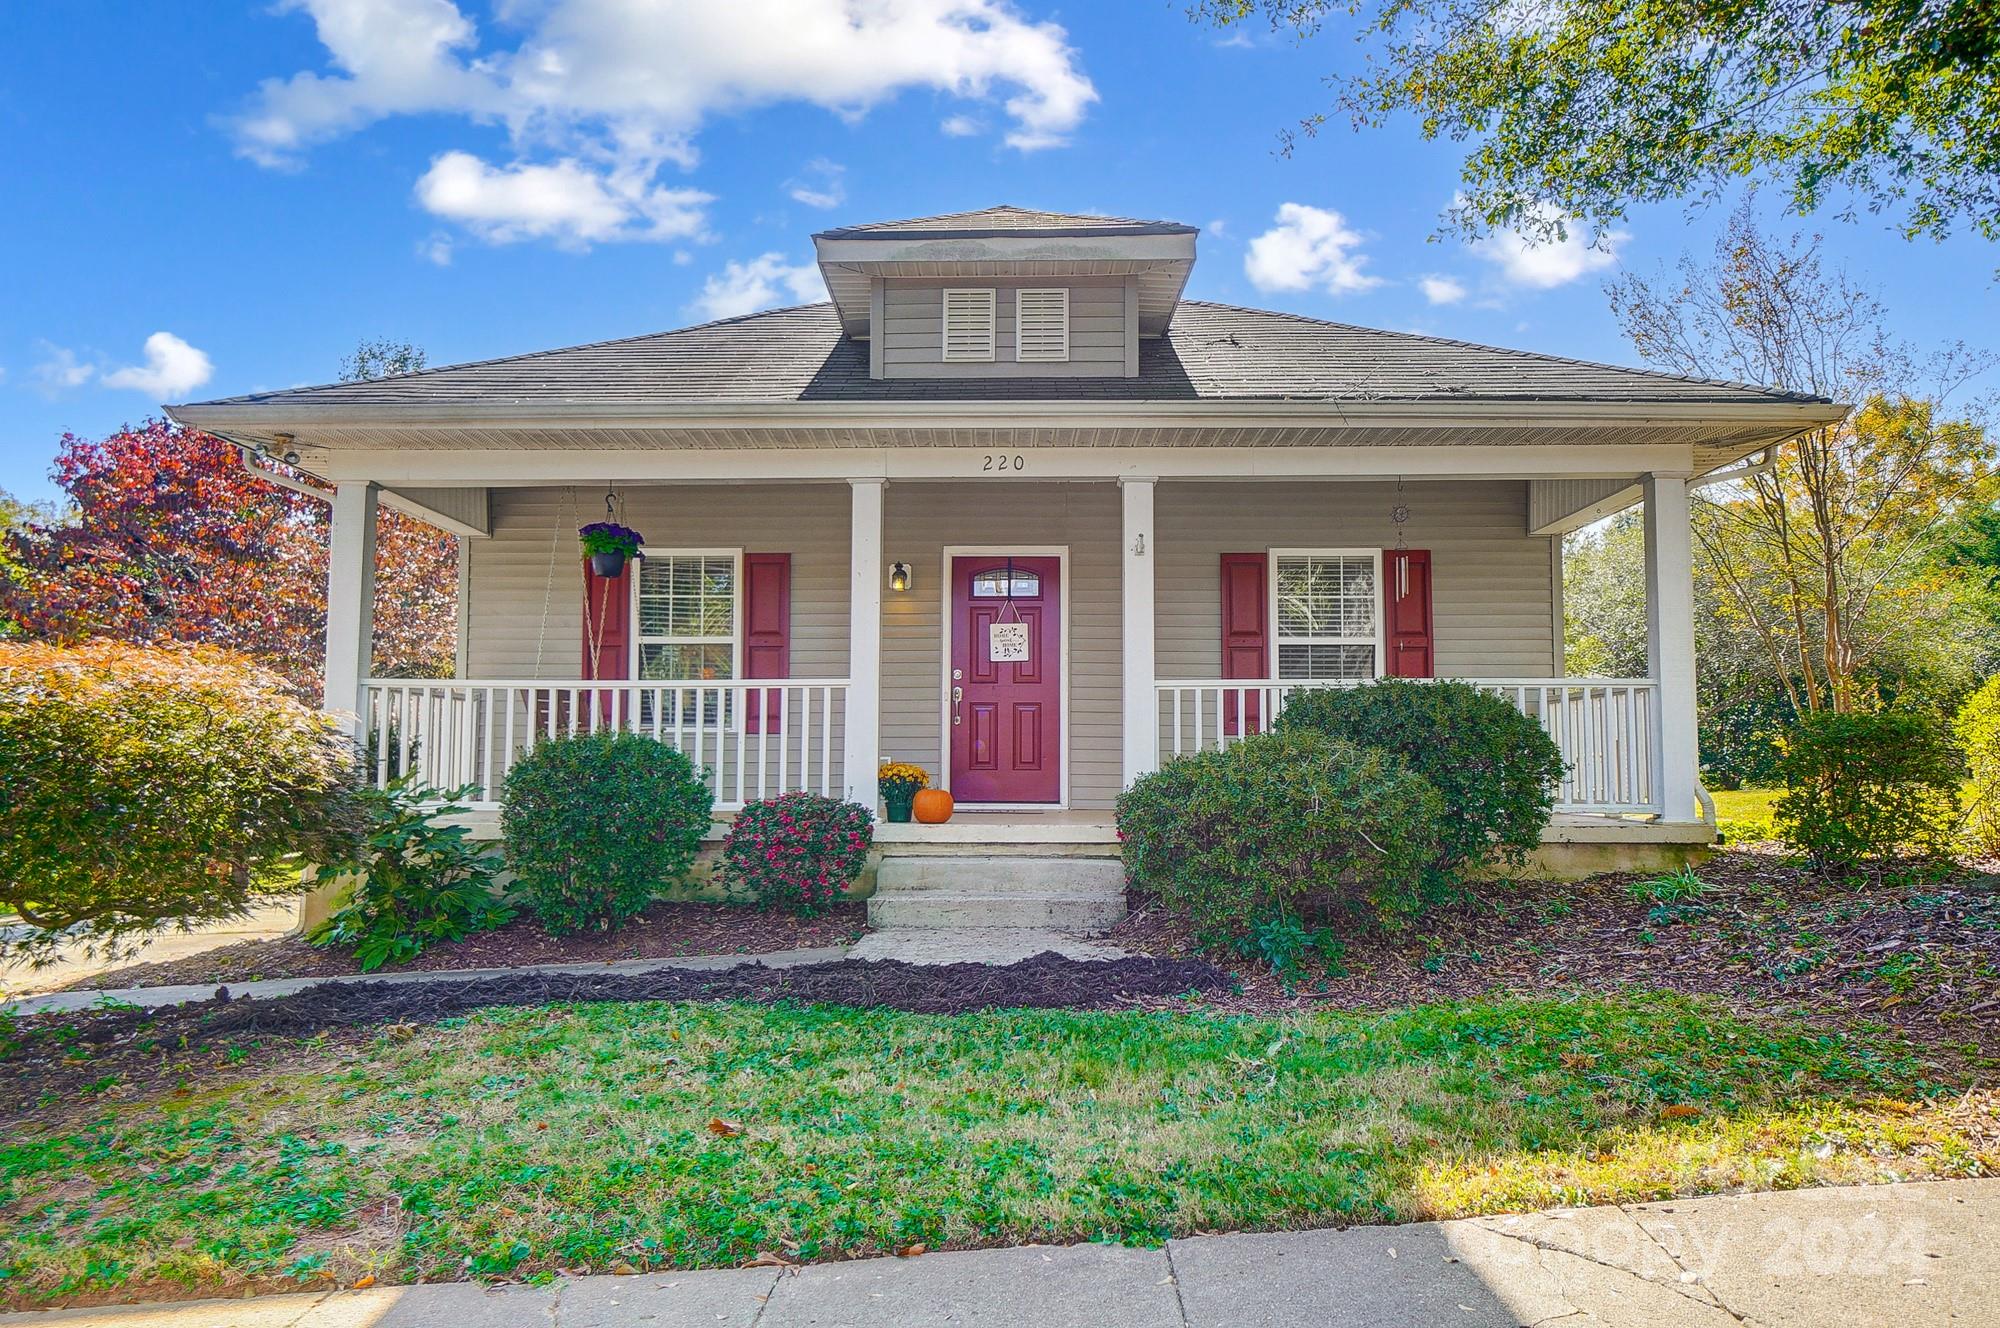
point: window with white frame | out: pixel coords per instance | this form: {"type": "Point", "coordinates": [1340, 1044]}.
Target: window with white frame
{"type": "Point", "coordinates": [687, 615]}
{"type": "Point", "coordinates": [1327, 610]}
{"type": "Point", "coordinates": [1041, 324]}
{"type": "Point", "coordinates": [968, 325]}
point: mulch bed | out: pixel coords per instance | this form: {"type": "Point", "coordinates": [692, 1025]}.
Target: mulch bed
{"type": "Point", "coordinates": [663, 931]}
{"type": "Point", "coordinates": [1920, 957]}
{"type": "Point", "coordinates": [143, 1047]}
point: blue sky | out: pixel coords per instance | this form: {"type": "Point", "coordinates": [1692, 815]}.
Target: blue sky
{"type": "Point", "coordinates": [215, 198]}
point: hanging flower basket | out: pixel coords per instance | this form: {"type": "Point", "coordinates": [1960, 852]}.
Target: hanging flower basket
{"type": "Point", "coordinates": [609, 545]}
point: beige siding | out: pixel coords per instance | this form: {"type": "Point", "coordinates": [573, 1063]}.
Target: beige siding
{"type": "Point", "coordinates": [912, 331]}
{"type": "Point", "coordinates": [1495, 608]}
{"type": "Point", "coordinates": [511, 582]}
{"type": "Point", "coordinates": [922, 520]}
{"type": "Point", "coordinates": [1493, 605]}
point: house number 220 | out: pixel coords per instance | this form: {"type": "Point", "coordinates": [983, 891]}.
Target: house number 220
{"type": "Point", "coordinates": [999, 461]}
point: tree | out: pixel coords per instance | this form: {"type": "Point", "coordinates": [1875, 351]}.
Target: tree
{"type": "Point", "coordinates": [170, 538]}
{"type": "Point", "coordinates": [1582, 108]}
{"type": "Point", "coordinates": [1833, 551]}
{"type": "Point", "coordinates": [143, 786]}
{"type": "Point", "coordinates": [381, 359]}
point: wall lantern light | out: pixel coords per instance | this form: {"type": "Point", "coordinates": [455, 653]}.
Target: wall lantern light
{"type": "Point", "coordinates": [899, 577]}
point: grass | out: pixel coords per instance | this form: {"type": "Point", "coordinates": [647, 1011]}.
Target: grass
{"type": "Point", "coordinates": [617, 1137]}
{"type": "Point", "coordinates": [1744, 814]}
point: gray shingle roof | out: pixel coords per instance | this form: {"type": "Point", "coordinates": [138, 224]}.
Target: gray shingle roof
{"type": "Point", "coordinates": [1004, 220]}
{"type": "Point", "coordinates": [1213, 353]}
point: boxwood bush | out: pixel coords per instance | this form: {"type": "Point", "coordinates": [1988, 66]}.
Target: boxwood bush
{"type": "Point", "coordinates": [1495, 768]}
{"type": "Point", "coordinates": [1868, 787]}
{"type": "Point", "coordinates": [143, 786]}
{"type": "Point", "coordinates": [798, 852]}
{"type": "Point", "coordinates": [1283, 825]}
{"type": "Point", "coordinates": [595, 825]}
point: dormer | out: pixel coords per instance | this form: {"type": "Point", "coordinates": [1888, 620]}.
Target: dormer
{"type": "Point", "coordinates": [1006, 292]}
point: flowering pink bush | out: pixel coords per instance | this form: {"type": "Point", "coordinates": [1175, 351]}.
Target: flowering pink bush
{"type": "Point", "coordinates": [798, 852]}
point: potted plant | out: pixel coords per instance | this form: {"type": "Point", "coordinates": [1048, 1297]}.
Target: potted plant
{"type": "Point", "coordinates": [609, 545]}
{"type": "Point", "coordinates": [899, 782]}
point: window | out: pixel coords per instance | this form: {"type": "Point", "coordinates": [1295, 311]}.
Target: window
{"type": "Point", "coordinates": [996, 585]}
{"type": "Point", "coordinates": [968, 325]}
{"type": "Point", "coordinates": [1328, 614]}
{"type": "Point", "coordinates": [1041, 324]}
{"type": "Point", "coordinates": [687, 615]}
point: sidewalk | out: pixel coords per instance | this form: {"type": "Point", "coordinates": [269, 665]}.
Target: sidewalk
{"type": "Point", "coordinates": [73, 965]}
{"type": "Point", "coordinates": [62, 1002]}
{"type": "Point", "coordinates": [1893, 1254]}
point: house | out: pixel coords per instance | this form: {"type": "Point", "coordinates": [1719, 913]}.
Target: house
{"type": "Point", "coordinates": [1012, 508]}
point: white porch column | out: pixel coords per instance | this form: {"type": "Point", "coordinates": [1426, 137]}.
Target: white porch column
{"type": "Point", "coordinates": [1141, 721]}
{"type": "Point", "coordinates": [864, 643]}
{"type": "Point", "coordinates": [350, 598]}
{"type": "Point", "coordinates": [1670, 640]}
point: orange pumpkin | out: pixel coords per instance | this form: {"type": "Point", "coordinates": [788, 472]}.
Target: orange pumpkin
{"type": "Point", "coordinates": [932, 807]}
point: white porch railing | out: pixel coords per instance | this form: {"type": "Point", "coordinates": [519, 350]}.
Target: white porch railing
{"type": "Point", "coordinates": [1606, 728]}
{"type": "Point", "coordinates": [750, 739]}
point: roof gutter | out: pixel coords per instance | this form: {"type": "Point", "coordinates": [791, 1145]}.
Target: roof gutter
{"type": "Point", "coordinates": [223, 416]}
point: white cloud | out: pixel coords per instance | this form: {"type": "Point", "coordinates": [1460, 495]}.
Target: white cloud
{"type": "Point", "coordinates": [172, 369]}
{"type": "Point", "coordinates": [59, 369]}
{"type": "Point", "coordinates": [959, 126]}
{"type": "Point", "coordinates": [619, 89]}
{"type": "Point", "coordinates": [1550, 263]}
{"type": "Point", "coordinates": [437, 249]}
{"type": "Point", "coordinates": [1309, 247]}
{"type": "Point", "coordinates": [764, 281]}
{"type": "Point", "coordinates": [1442, 290]}
{"type": "Point", "coordinates": [566, 201]}
{"type": "Point", "coordinates": [822, 184]}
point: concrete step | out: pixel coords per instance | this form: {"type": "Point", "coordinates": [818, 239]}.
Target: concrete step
{"type": "Point", "coordinates": [975, 945]}
{"type": "Point", "coordinates": [988, 909]}
{"type": "Point", "coordinates": [1094, 878]}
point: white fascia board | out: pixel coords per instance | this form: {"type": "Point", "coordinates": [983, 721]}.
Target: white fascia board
{"type": "Point", "coordinates": [1009, 249]}
{"type": "Point", "coordinates": [515, 468]}
{"type": "Point", "coordinates": [222, 418]}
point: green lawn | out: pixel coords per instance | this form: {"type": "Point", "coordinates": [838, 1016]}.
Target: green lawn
{"type": "Point", "coordinates": [521, 1141]}
{"type": "Point", "coordinates": [1745, 813]}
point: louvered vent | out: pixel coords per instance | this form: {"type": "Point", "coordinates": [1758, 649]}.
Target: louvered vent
{"type": "Point", "coordinates": [968, 325]}
{"type": "Point", "coordinates": [1041, 324]}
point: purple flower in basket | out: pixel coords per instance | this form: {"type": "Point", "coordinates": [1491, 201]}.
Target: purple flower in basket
{"type": "Point", "coordinates": [610, 537]}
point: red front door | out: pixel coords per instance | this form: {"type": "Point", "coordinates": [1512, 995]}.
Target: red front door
{"type": "Point", "coordinates": [1006, 685]}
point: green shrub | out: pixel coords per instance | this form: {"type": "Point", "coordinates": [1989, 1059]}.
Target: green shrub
{"type": "Point", "coordinates": [597, 824]}
{"type": "Point", "coordinates": [414, 881]}
{"type": "Point", "coordinates": [146, 786]}
{"type": "Point", "coordinates": [1977, 729]}
{"type": "Point", "coordinates": [1278, 825]}
{"type": "Point", "coordinates": [798, 852]}
{"type": "Point", "coordinates": [1496, 769]}
{"type": "Point", "coordinates": [1868, 786]}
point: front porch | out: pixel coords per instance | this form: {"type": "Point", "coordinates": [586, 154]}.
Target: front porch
{"type": "Point", "coordinates": [1145, 645]}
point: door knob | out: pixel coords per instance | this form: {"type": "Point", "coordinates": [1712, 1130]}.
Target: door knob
{"type": "Point", "coordinates": [957, 695]}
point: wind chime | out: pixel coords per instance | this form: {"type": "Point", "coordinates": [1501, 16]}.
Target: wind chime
{"type": "Point", "coordinates": [1399, 559]}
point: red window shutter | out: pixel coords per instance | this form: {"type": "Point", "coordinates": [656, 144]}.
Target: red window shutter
{"type": "Point", "coordinates": [607, 632]}
{"type": "Point", "coordinates": [1246, 634]}
{"type": "Point", "coordinates": [767, 629]}
{"type": "Point", "coordinates": [1406, 596]}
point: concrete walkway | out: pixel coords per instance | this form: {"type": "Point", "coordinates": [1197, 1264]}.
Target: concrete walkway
{"type": "Point", "coordinates": [1901, 1255]}
{"type": "Point", "coordinates": [73, 963]}
{"type": "Point", "coordinates": [60, 1002]}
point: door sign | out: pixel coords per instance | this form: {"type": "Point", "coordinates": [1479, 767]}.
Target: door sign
{"type": "Point", "coordinates": [1007, 643]}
